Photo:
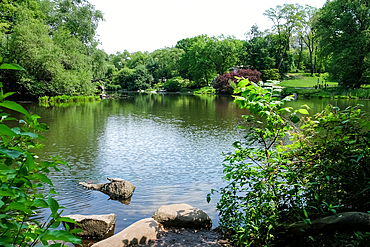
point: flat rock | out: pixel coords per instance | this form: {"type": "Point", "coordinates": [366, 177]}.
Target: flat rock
{"type": "Point", "coordinates": [141, 232]}
{"type": "Point", "coordinates": [182, 215]}
{"type": "Point", "coordinates": [93, 226]}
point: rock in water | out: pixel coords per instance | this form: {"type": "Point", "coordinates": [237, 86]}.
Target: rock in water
{"type": "Point", "coordinates": [182, 215]}
{"type": "Point", "coordinates": [118, 189]}
{"type": "Point", "coordinates": [93, 226]}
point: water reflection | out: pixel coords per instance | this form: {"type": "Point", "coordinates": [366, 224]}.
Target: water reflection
{"type": "Point", "coordinates": [168, 146]}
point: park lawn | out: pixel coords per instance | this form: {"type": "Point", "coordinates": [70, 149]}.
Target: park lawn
{"type": "Point", "coordinates": [303, 81]}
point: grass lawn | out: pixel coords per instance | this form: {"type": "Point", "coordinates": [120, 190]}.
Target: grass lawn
{"type": "Point", "coordinates": [303, 80]}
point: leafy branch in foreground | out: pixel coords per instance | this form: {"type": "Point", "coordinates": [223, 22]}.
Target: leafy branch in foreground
{"type": "Point", "coordinates": [20, 178]}
{"type": "Point", "coordinates": [281, 174]}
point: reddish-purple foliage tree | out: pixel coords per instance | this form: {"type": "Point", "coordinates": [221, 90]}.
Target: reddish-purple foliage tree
{"type": "Point", "coordinates": [222, 82]}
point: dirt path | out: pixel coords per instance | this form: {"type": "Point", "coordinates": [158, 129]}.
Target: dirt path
{"type": "Point", "coordinates": [185, 237]}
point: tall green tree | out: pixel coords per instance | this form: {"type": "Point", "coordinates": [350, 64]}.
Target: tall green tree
{"type": "Point", "coordinates": [185, 45]}
{"type": "Point", "coordinates": [200, 67]}
{"type": "Point", "coordinates": [119, 60]}
{"type": "Point", "coordinates": [286, 19]}
{"type": "Point", "coordinates": [168, 62]}
{"type": "Point", "coordinates": [138, 58]}
{"type": "Point", "coordinates": [343, 28]}
{"type": "Point", "coordinates": [257, 50]}
{"type": "Point", "coordinates": [53, 66]}
{"type": "Point", "coordinates": [78, 16]}
{"type": "Point", "coordinates": [223, 52]}
{"type": "Point", "coordinates": [307, 32]}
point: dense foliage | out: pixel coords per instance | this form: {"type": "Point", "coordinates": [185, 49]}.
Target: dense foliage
{"type": "Point", "coordinates": [55, 42]}
{"type": "Point", "coordinates": [343, 27]}
{"type": "Point", "coordinates": [20, 177]}
{"type": "Point", "coordinates": [273, 181]}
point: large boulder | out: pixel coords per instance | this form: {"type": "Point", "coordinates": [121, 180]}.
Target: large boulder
{"type": "Point", "coordinates": [141, 232]}
{"type": "Point", "coordinates": [117, 189]}
{"type": "Point", "coordinates": [182, 215]}
{"type": "Point", "coordinates": [93, 226]}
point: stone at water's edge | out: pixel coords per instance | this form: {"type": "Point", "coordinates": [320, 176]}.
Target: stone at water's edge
{"type": "Point", "coordinates": [182, 215]}
{"type": "Point", "coordinates": [141, 232]}
{"type": "Point", "coordinates": [93, 226]}
{"type": "Point", "coordinates": [116, 189]}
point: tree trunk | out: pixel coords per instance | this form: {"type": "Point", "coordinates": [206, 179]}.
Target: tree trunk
{"type": "Point", "coordinates": [348, 221]}
{"type": "Point", "coordinates": [300, 54]}
{"type": "Point", "coordinates": [314, 66]}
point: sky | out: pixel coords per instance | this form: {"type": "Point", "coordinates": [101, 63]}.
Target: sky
{"type": "Point", "coordinates": [147, 25]}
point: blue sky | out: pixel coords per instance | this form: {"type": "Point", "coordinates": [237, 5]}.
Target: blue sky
{"type": "Point", "coordinates": [147, 25]}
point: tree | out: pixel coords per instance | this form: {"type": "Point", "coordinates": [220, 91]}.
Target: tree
{"type": "Point", "coordinates": [308, 33]}
{"type": "Point", "coordinates": [53, 66]}
{"type": "Point", "coordinates": [223, 52]}
{"type": "Point", "coordinates": [168, 62]}
{"type": "Point", "coordinates": [119, 60]}
{"type": "Point", "coordinates": [225, 84]}
{"type": "Point", "coordinates": [200, 67]}
{"type": "Point", "coordinates": [286, 19]}
{"type": "Point", "coordinates": [138, 58]}
{"type": "Point", "coordinates": [343, 28]}
{"type": "Point", "coordinates": [78, 16]}
{"type": "Point", "coordinates": [185, 45]}
{"type": "Point", "coordinates": [257, 50]}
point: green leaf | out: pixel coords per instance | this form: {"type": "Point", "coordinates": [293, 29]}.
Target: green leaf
{"type": "Point", "coordinates": [30, 162]}
{"type": "Point", "coordinates": [5, 130]}
{"type": "Point", "coordinates": [208, 198]}
{"type": "Point", "coordinates": [17, 206]}
{"type": "Point", "coordinates": [44, 178]}
{"type": "Point", "coordinates": [11, 153]}
{"type": "Point", "coordinates": [53, 204]}
{"type": "Point", "coordinates": [14, 106]}
{"type": "Point", "coordinates": [52, 191]}
{"type": "Point", "coordinates": [61, 235]}
{"type": "Point", "coordinates": [303, 111]}
{"type": "Point", "coordinates": [67, 219]}
{"type": "Point", "coordinates": [30, 134]}
{"type": "Point", "coordinates": [8, 192]}
{"type": "Point", "coordinates": [13, 66]}
{"type": "Point", "coordinates": [6, 95]}
{"type": "Point", "coordinates": [40, 203]}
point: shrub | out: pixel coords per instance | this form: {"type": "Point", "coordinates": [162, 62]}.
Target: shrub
{"type": "Point", "coordinates": [20, 176]}
{"type": "Point", "coordinates": [224, 83]}
{"type": "Point", "coordinates": [273, 181]}
{"type": "Point", "coordinates": [172, 85]}
{"type": "Point", "coordinates": [270, 74]}
{"type": "Point", "coordinates": [205, 90]}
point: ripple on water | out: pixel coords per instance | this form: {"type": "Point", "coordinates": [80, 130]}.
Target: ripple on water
{"type": "Point", "coordinates": [169, 156]}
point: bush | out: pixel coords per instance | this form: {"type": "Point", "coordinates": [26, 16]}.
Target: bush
{"type": "Point", "coordinates": [273, 182]}
{"type": "Point", "coordinates": [172, 85]}
{"type": "Point", "coordinates": [224, 83]}
{"type": "Point", "coordinates": [205, 90]}
{"type": "Point", "coordinates": [270, 74]}
{"type": "Point", "coordinates": [20, 178]}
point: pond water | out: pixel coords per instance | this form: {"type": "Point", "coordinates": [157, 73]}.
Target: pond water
{"type": "Point", "coordinates": [168, 146]}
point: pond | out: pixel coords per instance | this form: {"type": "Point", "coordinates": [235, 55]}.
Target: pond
{"type": "Point", "coordinates": [168, 146]}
